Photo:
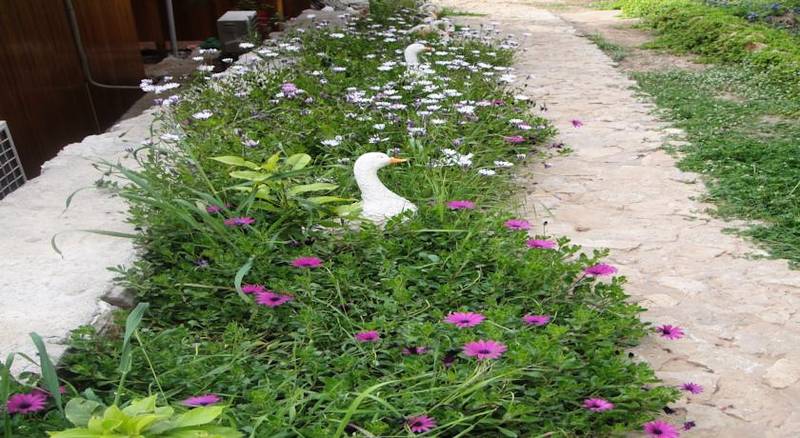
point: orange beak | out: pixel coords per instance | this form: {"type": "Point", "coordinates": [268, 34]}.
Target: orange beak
{"type": "Point", "coordinates": [397, 160]}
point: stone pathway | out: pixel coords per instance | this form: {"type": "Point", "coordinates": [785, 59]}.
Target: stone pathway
{"type": "Point", "coordinates": [619, 190]}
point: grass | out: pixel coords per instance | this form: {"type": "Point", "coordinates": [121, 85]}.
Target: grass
{"type": "Point", "coordinates": [743, 131]}
{"type": "Point", "coordinates": [451, 12]}
{"type": "Point", "coordinates": [616, 52]}
{"type": "Point", "coordinates": [283, 158]}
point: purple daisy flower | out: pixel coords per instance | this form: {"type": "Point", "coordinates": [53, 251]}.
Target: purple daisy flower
{"type": "Point", "coordinates": [271, 299]}
{"type": "Point", "coordinates": [289, 89]}
{"type": "Point", "coordinates": [671, 332]}
{"type": "Point", "coordinates": [576, 123]}
{"type": "Point", "coordinates": [368, 336]}
{"type": "Point", "coordinates": [464, 319]}
{"type": "Point", "coordinates": [540, 244]}
{"type": "Point", "coordinates": [239, 221]}
{"type": "Point", "coordinates": [694, 388]}
{"type": "Point", "coordinates": [450, 358]}
{"type": "Point", "coordinates": [598, 404]}
{"type": "Point", "coordinates": [26, 403]}
{"type": "Point", "coordinates": [420, 423]}
{"type": "Point", "coordinates": [253, 288]}
{"type": "Point", "coordinates": [482, 350]}
{"type": "Point", "coordinates": [660, 429]}
{"type": "Point", "coordinates": [307, 262]}
{"type": "Point", "coordinates": [460, 205]}
{"type": "Point", "coordinates": [600, 269]}
{"type": "Point", "coordinates": [517, 224]}
{"type": "Point", "coordinates": [514, 139]}
{"type": "Point", "coordinates": [202, 400]}
{"type": "Point", "coordinates": [537, 320]}
{"type": "Point", "coordinates": [213, 208]}
{"type": "Point", "coordinates": [414, 351]}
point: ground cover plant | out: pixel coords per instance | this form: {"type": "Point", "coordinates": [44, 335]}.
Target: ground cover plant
{"type": "Point", "coordinates": [783, 15]}
{"type": "Point", "coordinates": [266, 297]}
{"type": "Point", "coordinates": [718, 35]}
{"type": "Point", "coordinates": [743, 133]}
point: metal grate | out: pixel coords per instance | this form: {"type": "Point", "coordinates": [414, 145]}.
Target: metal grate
{"type": "Point", "coordinates": [11, 174]}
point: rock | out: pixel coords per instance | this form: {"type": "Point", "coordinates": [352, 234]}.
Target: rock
{"type": "Point", "coordinates": [782, 374]}
{"type": "Point", "coordinates": [120, 297]}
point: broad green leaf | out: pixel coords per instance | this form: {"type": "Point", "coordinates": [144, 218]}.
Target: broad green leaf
{"type": "Point", "coordinates": [141, 422]}
{"type": "Point", "coordinates": [79, 410]}
{"type": "Point", "coordinates": [199, 416]}
{"type": "Point", "coordinates": [348, 210]}
{"type": "Point", "coordinates": [298, 161]}
{"type": "Point", "coordinates": [237, 280]}
{"type": "Point", "coordinates": [315, 187]}
{"type": "Point", "coordinates": [327, 199]}
{"type": "Point", "coordinates": [235, 161]}
{"type": "Point", "coordinates": [112, 419]}
{"type": "Point", "coordinates": [131, 324]}
{"type": "Point", "coordinates": [249, 175]}
{"type": "Point", "coordinates": [142, 406]}
{"type": "Point", "coordinates": [79, 433]}
{"type": "Point", "coordinates": [48, 371]}
{"type": "Point", "coordinates": [272, 163]}
{"type": "Point", "coordinates": [208, 431]}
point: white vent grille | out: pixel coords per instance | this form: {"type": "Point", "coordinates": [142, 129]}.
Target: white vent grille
{"type": "Point", "coordinates": [11, 174]}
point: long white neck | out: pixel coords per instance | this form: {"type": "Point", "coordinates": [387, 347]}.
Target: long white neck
{"type": "Point", "coordinates": [411, 59]}
{"type": "Point", "coordinates": [371, 186]}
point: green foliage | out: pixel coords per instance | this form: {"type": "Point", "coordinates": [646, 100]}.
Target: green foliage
{"type": "Point", "coordinates": [743, 131]}
{"type": "Point", "coordinates": [719, 36]}
{"type": "Point", "coordinates": [296, 369]}
{"type": "Point", "coordinates": [142, 419]}
{"type": "Point", "coordinates": [616, 52]}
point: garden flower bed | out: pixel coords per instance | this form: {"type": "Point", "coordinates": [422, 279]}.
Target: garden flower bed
{"type": "Point", "coordinates": [267, 297]}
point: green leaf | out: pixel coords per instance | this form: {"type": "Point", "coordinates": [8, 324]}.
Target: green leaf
{"type": "Point", "coordinates": [208, 431]}
{"type": "Point", "coordinates": [79, 411]}
{"type": "Point", "coordinates": [199, 416]}
{"type": "Point", "coordinates": [272, 163]}
{"type": "Point", "coordinates": [249, 175]}
{"type": "Point", "coordinates": [235, 161]}
{"type": "Point", "coordinates": [142, 406]}
{"type": "Point", "coordinates": [79, 433]}
{"type": "Point", "coordinates": [48, 372]}
{"type": "Point", "coordinates": [237, 281]}
{"type": "Point", "coordinates": [349, 210]}
{"type": "Point", "coordinates": [315, 187]}
{"type": "Point", "coordinates": [327, 199]}
{"type": "Point", "coordinates": [131, 324]}
{"type": "Point", "coordinates": [298, 161]}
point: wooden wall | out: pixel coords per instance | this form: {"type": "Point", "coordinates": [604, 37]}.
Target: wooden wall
{"type": "Point", "coordinates": [43, 93]}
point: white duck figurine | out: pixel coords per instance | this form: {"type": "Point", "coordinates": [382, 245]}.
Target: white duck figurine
{"type": "Point", "coordinates": [378, 204]}
{"type": "Point", "coordinates": [411, 55]}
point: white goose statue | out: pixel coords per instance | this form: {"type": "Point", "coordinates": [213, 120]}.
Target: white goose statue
{"type": "Point", "coordinates": [378, 204]}
{"type": "Point", "coordinates": [411, 55]}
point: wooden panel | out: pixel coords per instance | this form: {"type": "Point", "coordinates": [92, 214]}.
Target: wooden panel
{"type": "Point", "coordinates": [109, 37]}
{"type": "Point", "coordinates": [42, 93]}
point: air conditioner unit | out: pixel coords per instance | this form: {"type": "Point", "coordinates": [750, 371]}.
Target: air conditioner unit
{"type": "Point", "coordinates": [235, 27]}
{"type": "Point", "coordinates": [12, 176]}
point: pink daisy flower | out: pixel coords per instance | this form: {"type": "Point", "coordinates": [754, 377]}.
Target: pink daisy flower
{"type": "Point", "coordinates": [368, 336]}
{"type": "Point", "coordinates": [671, 332]}
{"type": "Point", "coordinates": [576, 123]}
{"type": "Point", "coordinates": [271, 299]}
{"type": "Point", "coordinates": [420, 423]}
{"type": "Point", "coordinates": [253, 288]}
{"type": "Point", "coordinates": [239, 221]}
{"type": "Point", "coordinates": [660, 429]}
{"type": "Point", "coordinates": [537, 320]}
{"type": "Point", "coordinates": [598, 404]}
{"type": "Point", "coordinates": [540, 244]}
{"type": "Point", "coordinates": [482, 350]}
{"type": "Point", "coordinates": [307, 262]}
{"type": "Point", "coordinates": [202, 400]}
{"type": "Point", "coordinates": [514, 139]}
{"type": "Point", "coordinates": [517, 224]}
{"type": "Point", "coordinates": [694, 388]}
{"type": "Point", "coordinates": [600, 269]}
{"type": "Point", "coordinates": [213, 208]}
{"type": "Point", "coordinates": [414, 351]}
{"type": "Point", "coordinates": [464, 319]}
{"type": "Point", "coordinates": [460, 205]}
{"type": "Point", "coordinates": [26, 403]}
